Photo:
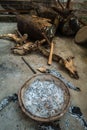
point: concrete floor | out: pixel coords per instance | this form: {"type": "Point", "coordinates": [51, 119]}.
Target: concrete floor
{"type": "Point", "coordinates": [14, 72]}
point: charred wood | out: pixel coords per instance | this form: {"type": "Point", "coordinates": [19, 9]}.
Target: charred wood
{"type": "Point", "coordinates": [64, 13]}
{"type": "Point", "coordinates": [34, 25]}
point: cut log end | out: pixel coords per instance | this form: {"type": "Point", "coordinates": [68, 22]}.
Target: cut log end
{"type": "Point", "coordinates": [81, 36]}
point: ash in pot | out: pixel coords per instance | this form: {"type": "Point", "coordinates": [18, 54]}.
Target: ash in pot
{"type": "Point", "coordinates": [44, 98]}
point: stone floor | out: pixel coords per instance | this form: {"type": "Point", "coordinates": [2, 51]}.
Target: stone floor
{"type": "Point", "coordinates": [14, 73]}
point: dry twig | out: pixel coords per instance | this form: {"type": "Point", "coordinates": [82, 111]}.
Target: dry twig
{"type": "Point", "coordinates": [51, 54]}
{"type": "Point", "coordinates": [29, 65]}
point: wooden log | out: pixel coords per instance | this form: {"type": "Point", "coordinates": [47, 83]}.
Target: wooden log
{"type": "Point", "coordinates": [81, 36]}
{"type": "Point", "coordinates": [33, 26]}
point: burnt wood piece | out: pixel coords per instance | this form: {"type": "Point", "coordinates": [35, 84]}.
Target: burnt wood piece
{"type": "Point", "coordinates": [69, 23]}
{"type": "Point", "coordinates": [64, 13]}
{"type": "Point", "coordinates": [69, 27]}
{"type": "Point", "coordinates": [74, 24]}
{"type": "Point", "coordinates": [34, 25]}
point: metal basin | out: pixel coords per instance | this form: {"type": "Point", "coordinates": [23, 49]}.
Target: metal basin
{"type": "Point", "coordinates": [44, 98]}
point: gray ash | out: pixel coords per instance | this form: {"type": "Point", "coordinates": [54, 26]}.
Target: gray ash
{"type": "Point", "coordinates": [44, 98]}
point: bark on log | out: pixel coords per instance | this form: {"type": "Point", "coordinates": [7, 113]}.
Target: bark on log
{"type": "Point", "coordinates": [33, 26]}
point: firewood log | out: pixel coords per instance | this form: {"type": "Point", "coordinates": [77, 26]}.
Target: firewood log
{"type": "Point", "coordinates": [34, 25]}
{"type": "Point", "coordinates": [81, 36]}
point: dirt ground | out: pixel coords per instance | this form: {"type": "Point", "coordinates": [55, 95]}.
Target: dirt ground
{"type": "Point", "coordinates": [14, 73]}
